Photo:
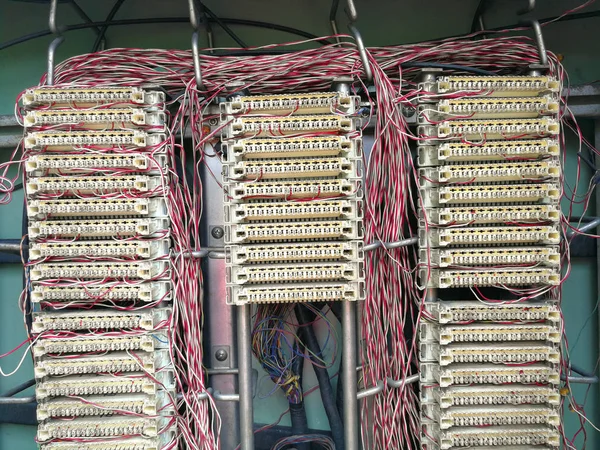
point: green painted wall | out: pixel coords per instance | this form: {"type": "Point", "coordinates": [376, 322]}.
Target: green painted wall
{"type": "Point", "coordinates": [382, 22]}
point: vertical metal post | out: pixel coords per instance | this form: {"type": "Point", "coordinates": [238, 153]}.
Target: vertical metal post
{"type": "Point", "coordinates": [244, 321]}
{"type": "Point", "coordinates": [351, 434]}
{"type": "Point", "coordinates": [597, 161]}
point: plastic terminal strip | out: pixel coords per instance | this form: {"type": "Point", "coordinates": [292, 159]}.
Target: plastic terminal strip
{"type": "Point", "coordinates": [154, 443]}
{"type": "Point", "coordinates": [307, 103]}
{"type": "Point", "coordinates": [279, 211]}
{"type": "Point", "coordinates": [477, 173]}
{"type": "Point", "coordinates": [492, 256]}
{"type": "Point", "coordinates": [474, 311]}
{"type": "Point", "coordinates": [495, 416]}
{"type": "Point", "coordinates": [295, 293]}
{"type": "Point", "coordinates": [115, 363]}
{"type": "Point", "coordinates": [489, 235]}
{"type": "Point", "coordinates": [501, 86]}
{"type": "Point", "coordinates": [500, 353]}
{"type": "Point", "coordinates": [95, 118]}
{"type": "Point", "coordinates": [517, 193]}
{"type": "Point", "coordinates": [462, 374]}
{"type": "Point", "coordinates": [148, 320]}
{"type": "Point", "coordinates": [493, 277]}
{"type": "Point", "coordinates": [471, 437]}
{"type": "Point", "coordinates": [68, 140]}
{"type": "Point", "coordinates": [304, 272]}
{"type": "Point", "coordinates": [292, 168]}
{"type": "Point", "coordinates": [148, 249]}
{"type": "Point", "coordinates": [98, 228]}
{"type": "Point", "coordinates": [107, 427]}
{"type": "Point", "coordinates": [490, 214]}
{"type": "Point", "coordinates": [292, 189]}
{"type": "Point", "coordinates": [93, 207]}
{"type": "Point", "coordinates": [143, 270]}
{"type": "Point", "coordinates": [282, 253]}
{"type": "Point", "coordinates": [490, 108]}
{"type": "Point", "coordinates": [492, 395]}
{"type": "Point", "coordinates": [448, 334]}
{"type": "Point", "coordinates": [67, 96]}
{"type": "Point", "coordinates": [322, 147]}
{"type": "Point", "coordinates": [282, 126]}
{"type": "Point", "coordinates": [85, 385]}
{"type": "Point", "coordinates": [137, 404]}
{"type": "Point", "coordinates": [488, 151]}
{"type": "Point", "coordinates": [292, 231]}
{"type": "Point", "coordinates": [491, 129]}
{"type": "Point", "coordinates": [94, 185]}
{"type": "Point", "coordinates": [102, 343]}
{"type": "Point", "coordinates": [43, 164]}
{"type": "Point", "coordinates": [147, 292]}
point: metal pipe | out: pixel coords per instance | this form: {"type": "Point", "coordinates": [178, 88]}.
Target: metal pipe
{"type": "Point", "coordinates": [587, 227]}
{"type": "Point", "coordinates": [196, 57]}
{"type": "Point", "coordinates": [364, 393]}
{"type": "Point", "coordinates": [219, 396]}
{"type": "Point", "coordinates": [580, 380]}
{"type": "Point", "coordinates": [391, 245]}
{"type": "Point", "coordinates": [51, 52]}
{"type": "Point", "coordinates": [530, 7]}
{"type": "Point", "coordinates": [333, 19]}
{"type": "Point", "coordinates": [52, 17]}
{"type": "Point", "coordinates": [351, 11]}
{"type": "Point", "coordinates": [16, 400]}
{"type": "Point", "coordinates": [349, 360]}
{"type": "Point", "coordinates": [193, 14]}
{"type": "Point", "coordinates": [244, 323]}
{"type": "Point", "coordinates": [362, 52]}
{"type": "Point", "coordinates": [399, 383]}
{"type": "Point", "coordinates": [539, 42]}
{"type": "Point", "coordinates": [232, 371]}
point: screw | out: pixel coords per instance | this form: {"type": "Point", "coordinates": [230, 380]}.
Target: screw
{"type": "Point", "coordinates": [213, 122]}
{"type": "Point", "coordinates": [217, 232]}
{"type": "Point", "coordinates": [408, 111]}
{"type": "Point", "coordinates": [221, 355]}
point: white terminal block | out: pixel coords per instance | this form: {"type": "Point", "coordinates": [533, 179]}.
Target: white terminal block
{"type": "Point", "coordinates": [298, 272]}
{"type": "Point", "coordinates": [542, 234]}
{"type": "Point", "coordinates": [491, 256]}
{"type": "Point", "coordinates": [93, 163]}
{"type": "Point", "coordinates": [93, 207]}
{"type": "Point", "coordinates": [148, 320]}
{"type": "Point", "coordinates": [283, 211]}
{"type": "Point", "coordinates": [286, 253]}
{"type": "Point", "coordinates": [96, 186]}
{"type": "Point", "coordinates": [96, 118]}
{"type": "Point", "coordinates": [53, 141]}
{"type": "Point", "coordinates": [295, 293]}
{"type": "Point", "coordinates": [497, 353]}
{"type": "Point", "coordinates": [119, 228]}
{"type": "Point", "coordinates": [288, 190]}
{"type": "Point", "coordinates": [529, 436]}
{"type": "Point", "coordinates": [489, 108]}
{"type": "Point", "coordinates": [494, 86]}
{"type": "Point", "coordinates": [79, 96]}
{"type": "Point", "coordinates": [102, 291]}
{"type": "Point", "coordinates": [250, 127]}
{"type": "Point", "coordinates": [457, 312]}
{"type": "Point", "coordinates": [155, 443]}
{"type": "Point", "coordinates": [160, 403]}
{"type": "Point", "coordinates": [490, 129]}
{"type": "Point", "coordinates": [293, 168]}
{"type": "Point", "coordinates": [487, 172]}
{"type": "Point", "coordinates": [110, 363]}
{"type": "Point", "coordinates": [130, 249]}
{"type": "Point", "coordinates": [505, 151]}
{"type": "Point", "coordinates": [497, 415]}
{"type": "Point", "coordinates": [291, 147]}
{"type": "Point", "coordinates": [91, 427]}
{"type": "Point", "coordinates": [492, 277]}
{"type": "Point", "coordinates": [455, 215]}
{"type": "Point", "coordinates": [292, 231]}
{"type": "Point", "coordinates": [447, 334]}
{"type": "Point", "coordinates": [143, 270]}
{"type": "Point", "coordinates": [465, 374]}
{"type": "Point", "coordinates": [146, 342]}
{"type": "Point", "coordinates": [105, 384]}
{"type": "Point", "coordinates": [513, 394]}
{"type": "Point", "coordinates": [547, 193]}
{"type": "Point", "coordinates": [287, 104]}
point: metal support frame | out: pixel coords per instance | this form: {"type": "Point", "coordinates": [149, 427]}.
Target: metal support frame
{"type": "Point", "coordinates": [244, 321]}
{"type": "Point", "coordinates": [55, 42]}
{"type": "Point", "coordinates": [195, 22]}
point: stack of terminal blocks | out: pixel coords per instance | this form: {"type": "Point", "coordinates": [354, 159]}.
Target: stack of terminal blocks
{"type": "Point", "coordinates": [96, 166]}
{"type": "Point", "coordinates": [293, 208]}
{"type": "Point", "coordinates": [490, 181]}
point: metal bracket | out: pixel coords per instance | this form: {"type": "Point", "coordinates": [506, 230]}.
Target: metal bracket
{"type": "Point", "coordinates": [55, 42]}
{"type": "Point", "coordinates": [362, 51]}
{"type": "Point", "coordinates": [194, 21]}
{"type": "Point", "coordinates": [379, 387]}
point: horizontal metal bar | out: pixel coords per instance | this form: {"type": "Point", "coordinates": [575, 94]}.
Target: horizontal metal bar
{"type": "Point", "coordinates": [587, 227]}
{"type": "Point", "coordinates": [374, 390]}
{"type": "Point", "coordinates": [399, 383]}
{"type": "Point", "coordinates": [580, 380]}
{"type": "Point", "coordinates": [10, 141]}
{"type": "Point", "coordinates": [391, 245]}
{"type": "Point", "coordinates": [217, 395]}
{"type": "Point", "coordinates": [8, 120]}
{"type": "Point", "coordinates": [370, 391]}
{"type": "Point", "coordinates": [233, 371]}
{"type": "Point", "coordinates": [16, 400]}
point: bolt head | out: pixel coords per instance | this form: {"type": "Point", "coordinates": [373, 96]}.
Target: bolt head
{"type": "Point", "coordinates": [217, 232]}
{"type": "Point", "coordinates": [221, 355]}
